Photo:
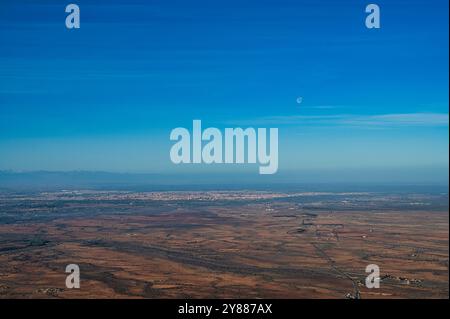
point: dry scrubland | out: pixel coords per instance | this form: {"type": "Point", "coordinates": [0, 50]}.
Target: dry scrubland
{"type": "Point", "coordinates": [223, 244]}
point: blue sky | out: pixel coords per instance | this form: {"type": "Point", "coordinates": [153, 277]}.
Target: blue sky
{"type": "Point", "coordinates": [106, 96]}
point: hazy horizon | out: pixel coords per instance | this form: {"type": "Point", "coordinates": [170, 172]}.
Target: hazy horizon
{"type": "Point", "coordinates": [307, 181]}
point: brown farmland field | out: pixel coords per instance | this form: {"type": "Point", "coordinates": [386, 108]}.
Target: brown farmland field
{"type": "Point", "coordinates": [223, 244]}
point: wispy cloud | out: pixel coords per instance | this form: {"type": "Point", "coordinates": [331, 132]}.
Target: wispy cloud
{"type": "Point", "coordinates": [321, 107]}
{"type": "Point", "coordinates": [405, 119]}
{"type": "Point", "coordinates": [377, 120]}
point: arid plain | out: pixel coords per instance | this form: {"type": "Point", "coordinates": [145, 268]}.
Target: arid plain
{"type": "Point", "coordinates": [223, 244]}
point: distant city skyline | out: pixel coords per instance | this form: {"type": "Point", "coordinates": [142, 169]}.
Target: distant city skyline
{"type": "Point", "coordinates": [345, 98]}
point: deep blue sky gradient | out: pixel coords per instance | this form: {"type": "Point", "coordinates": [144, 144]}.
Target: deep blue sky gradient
{"type": "Point", "coordinates": [106, 96]}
